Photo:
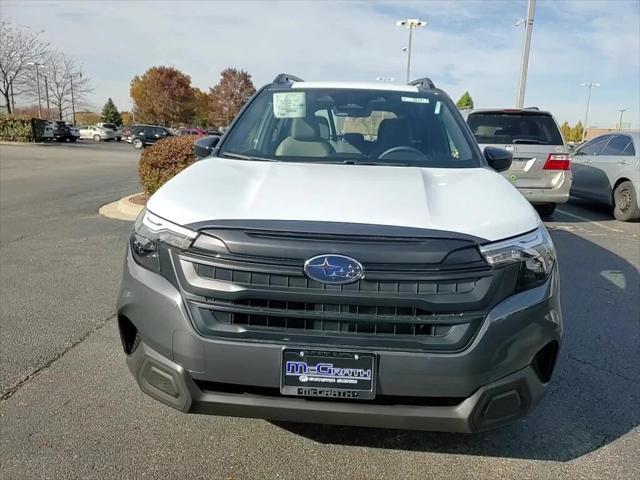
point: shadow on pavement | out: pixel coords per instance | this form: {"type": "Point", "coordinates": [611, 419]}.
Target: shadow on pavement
{"type": "Point", "coordinates": [594, 396]}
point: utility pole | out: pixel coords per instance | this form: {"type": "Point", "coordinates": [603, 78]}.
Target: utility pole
{"type": "Point", "coordinates": [46, 93]}
{"type": "Point", "coordinates": [526, 47]}
{"type": "Point", "coordinates": [586, 115]}
{"type": "Point", "coordinates": [73, 102]}
{"type": "Point", "coordinates": [410, 23]}
{"type": "Point", "coordinates": [622, 110]}
{"type": "Point", "coordinates": [36, 64]}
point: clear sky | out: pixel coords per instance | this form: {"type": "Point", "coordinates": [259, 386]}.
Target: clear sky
{"type": "Point", "coordinates": [468, 45]}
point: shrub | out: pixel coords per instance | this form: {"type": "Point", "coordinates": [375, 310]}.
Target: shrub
{"type": "Point", "coordinates": [18, 128]}
{"type": "Point", "coordinates": [163, 160]}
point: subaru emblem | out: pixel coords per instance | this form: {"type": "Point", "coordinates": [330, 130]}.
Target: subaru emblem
{"type": "Point", "coordinates": [334, 269]}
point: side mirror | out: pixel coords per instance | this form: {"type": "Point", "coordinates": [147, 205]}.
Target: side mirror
{"type": "Point", "coordinates": [203, 147]}
{"type": "Point", "coordinates": [498, 158]}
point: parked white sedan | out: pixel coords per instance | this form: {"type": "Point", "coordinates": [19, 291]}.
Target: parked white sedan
{"type": "Point", "coordinates": [97, 134]}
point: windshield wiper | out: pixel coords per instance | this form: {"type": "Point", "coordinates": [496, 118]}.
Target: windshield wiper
{"type": "Point", "coordinates": [240, 156]}
{"type": "Point", "coordinates": [527, 140]}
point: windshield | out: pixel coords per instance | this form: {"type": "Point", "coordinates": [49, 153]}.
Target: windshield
{"type": "Point", "coordinates": [353, 126]}
{"type": "Point", "coordinates": [505, 128]}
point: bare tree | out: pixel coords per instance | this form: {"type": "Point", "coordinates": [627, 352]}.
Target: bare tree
{"type": "Point", "coordinates": [19, 47]}
{"type": "Point", "coordinates": [67, 86]}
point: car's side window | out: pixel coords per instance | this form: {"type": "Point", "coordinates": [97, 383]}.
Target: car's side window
{"type": "Point", "coordinates": [594, 147]}
{"type": "Point", "coordinates": [630, 151]}
{"type": "Point", "coordinates": [616, 146]}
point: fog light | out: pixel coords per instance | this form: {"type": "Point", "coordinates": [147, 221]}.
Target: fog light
{"type": "Point", "coordinates": [162, 381]}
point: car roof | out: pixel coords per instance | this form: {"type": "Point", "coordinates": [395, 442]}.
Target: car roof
{"type": "Point", "coordinates": [392, 87]}
{"type": "Point", "coordinates": [526, 111]}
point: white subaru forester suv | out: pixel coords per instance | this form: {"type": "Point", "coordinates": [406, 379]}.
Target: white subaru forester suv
{"type": "Point", "coordinates": [344, 254]}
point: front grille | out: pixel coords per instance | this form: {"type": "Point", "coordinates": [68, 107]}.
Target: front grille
{"type": "Point", "coordinates": [261, 279]}
{"type": "Point", "coordinates": [395, 306]}
{"type": "Point", "coordinates": [356, 319]}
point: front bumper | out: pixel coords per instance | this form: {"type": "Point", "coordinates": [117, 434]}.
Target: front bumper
{"type": "Point", "coordinates": [491, 382]}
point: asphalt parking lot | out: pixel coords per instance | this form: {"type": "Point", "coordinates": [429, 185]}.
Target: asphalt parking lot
{"type": "Point", "coordinates": [70, 408]}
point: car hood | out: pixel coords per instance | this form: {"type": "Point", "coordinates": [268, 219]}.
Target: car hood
{"type": "Point", "coordinates": [472, 201]}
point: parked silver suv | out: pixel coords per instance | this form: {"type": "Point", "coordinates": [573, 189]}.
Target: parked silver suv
{"type": "Point", "coordinates": [541, 168]}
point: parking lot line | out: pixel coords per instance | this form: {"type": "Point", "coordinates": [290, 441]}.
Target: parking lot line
{"type": "Point", "coordinates": [584, 219]}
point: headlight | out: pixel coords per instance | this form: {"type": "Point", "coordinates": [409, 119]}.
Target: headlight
{"type": "Point", "coordinates": [149, 231]}
{"type": "Point", "coordinates": [534, 251]}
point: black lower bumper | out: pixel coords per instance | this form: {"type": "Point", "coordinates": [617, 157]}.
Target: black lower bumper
{"type": "Point", "coordinates": [492, 405]}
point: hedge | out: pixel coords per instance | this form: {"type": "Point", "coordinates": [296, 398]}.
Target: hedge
{"type": "Point", "coordinates": [163, 160]}
{"type": "Point", "coordinates": [17, 128]}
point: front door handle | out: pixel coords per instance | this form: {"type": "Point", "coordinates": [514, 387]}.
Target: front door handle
{"type": "Point", "coordinates": [622, 162]}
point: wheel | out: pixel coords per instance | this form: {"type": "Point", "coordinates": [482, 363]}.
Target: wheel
{"type": "Point", "coordinates": [545, 209]}
{"type": "Point", "coordinates": [137, 143]}
{"type": "Point", "coordinates": [625, 202]}
{"type": "Point", "coordinates": [73, 139]}
{"type": "Point", "coordinates": [60, 139]}
{"type": "Point", "coordinates": [96, 138]}
{"type": "Point", "coordinates": [119, 139]}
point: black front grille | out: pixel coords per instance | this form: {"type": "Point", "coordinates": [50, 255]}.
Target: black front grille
{"type": "Point", "coordinates": [322, 317]}
{"type": "Point", "coordinates": [257, 278]}
{"type": "Point", "coordinates": [396, 305]}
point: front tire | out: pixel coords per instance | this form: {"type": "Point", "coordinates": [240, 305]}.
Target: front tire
{"type": "Point", "coordinates": [137, 144]}
{"type": "Point", "coordinates": [546, 209]}
{"type": "Point", "coordinates": [97, 138]}
{"type": "Point", "coordinates": [73, 139]}
{"type": "Point", "coordinates": [625, 202]}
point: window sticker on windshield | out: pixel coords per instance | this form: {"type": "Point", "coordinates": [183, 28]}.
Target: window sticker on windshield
{"type": "Point", "coordinates": [436, 110]}
{"type": "Point", "coordinates": [415, 99]}
{"type": "Point", "coordinates": [289, 105]}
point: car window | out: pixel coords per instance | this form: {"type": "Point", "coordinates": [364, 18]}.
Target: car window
{"type": "Point", "coordinates": [594, 147]}
{"type": "Point", "coordinates": [383, 126]}
{"type": "Point", "coordinates": [630, 151]}
{"type": "Point", "coordinates": [616, 146]}
{"type": "Point", "coordinates": [514, 127]}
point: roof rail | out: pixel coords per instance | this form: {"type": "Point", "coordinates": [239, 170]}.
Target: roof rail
{"type": "Point", "coordinates": [532, 108]}
{"type": "Point", "coordinates": [286, 78]}
{"type": "Point", "coordinates": [423, 83]}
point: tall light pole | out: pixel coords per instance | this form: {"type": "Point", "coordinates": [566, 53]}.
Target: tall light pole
{"type": "Point", "coordinates": [36, 64]}
{"type": "Point", "coordinates": [622, 110]}
{"type": "Point", "coordinates": [526, 47]}
{"type": "Point", "coordinates": [73, 101]}
{"type": "Point", "coordinates": [410, 23]}
{"type": "Point", "coordinates": [586, 115]}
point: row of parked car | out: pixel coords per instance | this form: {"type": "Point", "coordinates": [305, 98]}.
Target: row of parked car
{"type": "Point", "coordinates": [547, 171]}
{"type": "Point", "coordinates": [141, 136]}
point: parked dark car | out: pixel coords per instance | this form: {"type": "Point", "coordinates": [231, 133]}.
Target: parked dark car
{"type": "Point", "coordinates": [144, 135]}
{"type": "Point", "coordinates": [61, 131]}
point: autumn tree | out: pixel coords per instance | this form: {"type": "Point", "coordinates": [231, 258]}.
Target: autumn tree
{"type": "Point", "coordinates": [127, 118]}
{"type": "Point", "coordinates": [465, 102]}
{"type": "Point", "coordinates": [567, 131]}
{"type": "Point", "coordinates": [110, 113]}
{"type": "Point", "coordinates": [200, 108]}
{"type": "Point", "coordinates": [162, 95]}
{"type": "Point", "coordinates": [229, 95]}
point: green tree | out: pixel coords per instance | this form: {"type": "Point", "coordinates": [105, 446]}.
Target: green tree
{"type": "Point", "coordinates": [567, 131]}
{"type": "Point", "coordinates": [577, 132]}
{"type": "Point", "coordinates": [110, 113]}
{"type": "Point", "coordinates": [465, 102]}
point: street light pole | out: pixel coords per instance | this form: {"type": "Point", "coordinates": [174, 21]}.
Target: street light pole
{"type": "Point", "coordinates": [586, 115]}
{"type": "Point", "coordinates": [46, 94]}
{"type": "Point", "coordinates": [526, 47]}
{"type": "Point", "coordinates": [410, 23]}
{"type": "Point", "coordinates": [73, 101]}
{"type": "Point", "coordinates": [36, 64]}
{"type": "Point", "coordinates": [622, 110]}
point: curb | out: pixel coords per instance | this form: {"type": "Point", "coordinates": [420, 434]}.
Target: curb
{"type": "Point", "coordinates": [123, 209]}
{"type": "Point", "coordinates": [20, 144]}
